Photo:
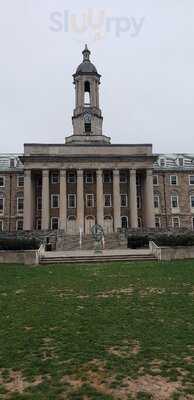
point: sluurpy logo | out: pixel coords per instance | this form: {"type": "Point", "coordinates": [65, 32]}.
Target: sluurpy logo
{"type": "Point", "coordinates": [95, 24]}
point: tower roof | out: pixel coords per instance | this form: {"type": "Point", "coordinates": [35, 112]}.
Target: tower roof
{"type": "Point", "coordinates": [86, 67]}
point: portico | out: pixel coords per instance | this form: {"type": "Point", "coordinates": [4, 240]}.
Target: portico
{"type": "Point", "coordinates": [98, 201]}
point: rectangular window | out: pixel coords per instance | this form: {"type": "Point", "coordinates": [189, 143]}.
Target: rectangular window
{"type": "Point", "coordinates": [138, 180]}
{"type": "Point", "coordinates": [55, 178]}
{"type": "Point", "coordinates": [2, 181]}
{"type": "Point", "coordinates": [107, 177]}
{"type": "Point", "coordinates": [19, 225]}
{"type": "Point", "coordinates": [38, 225]}
{"type": "Point", "coordinates": [191, 180]}
{"type": "Point", "coordinates": [39, 182]}
{"type": "Point", "coordinates": [107, 200]}
{"type": "Point", "coordinates": [174, 180]}
{"type": "Point", "coordinates": [192, 201]}
{"type": "Point", "coordinates": [192, 223]}
{"type": "Point", "coordinates": [20, 181]}
{"type": "Point", "coordinates": [157, 222]}
{"type": "Point", "coordinates": [123, 177]}
{"type": "Point", "coordinates": [1, 226]}
{"type": "Point", "coordinates": [155, 180]}
{"type": "Point", "coordinates": [89, 177]}
{"type": "Point", "coordinates": [55, 201]}
{"type": "Point", "coordinates": [156, 201]}
{"type": "Point", "coordinates": [20, 205]}
{"type": "Point", "coordinates": [174, 201]}
{"type": "Point", "coordinates": [89, 200]}
{"type": "Point", "coordinates": [71, 177]}
{"type": "Point", "coordinates": [124, 200]}
{"type": "Point", "coordinates": [176, 222]}
{"type": "Point", "coordinates": [71, 200]}
{"type": "Point", "coordinates": [54, 224]}
{"type": "Point", "coordinates": [138, 202]}
{"type": "Point", "coordinates": [2, 204]}
{"type": "Point", "coordinates": [39, 203]}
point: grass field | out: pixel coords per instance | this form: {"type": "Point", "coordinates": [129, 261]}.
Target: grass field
{"type": "Point", "coordinates": [116, 331]}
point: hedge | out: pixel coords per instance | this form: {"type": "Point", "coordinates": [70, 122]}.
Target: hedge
{"type": "Point", "coordinates": [19, 244]}
{"type": "Point", "coordinates": [140, 241]}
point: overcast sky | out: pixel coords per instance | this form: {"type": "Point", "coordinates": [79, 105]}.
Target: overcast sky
{"type": "Point", "coordinates": [144, 50]}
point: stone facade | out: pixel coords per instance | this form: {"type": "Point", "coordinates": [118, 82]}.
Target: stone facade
{"type": "Point", "coordinates": [88, 180]}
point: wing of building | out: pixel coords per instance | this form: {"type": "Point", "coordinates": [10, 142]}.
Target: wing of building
{"type": "Point", "coordinates": [87, 180]}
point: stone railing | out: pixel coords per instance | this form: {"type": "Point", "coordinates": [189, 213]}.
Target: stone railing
{"type": "Point", "coordinates": [172, 253]}
{"type": "Point", "coordinates": [156, 250]}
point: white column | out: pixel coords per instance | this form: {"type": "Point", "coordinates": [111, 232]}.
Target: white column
{"type": "Point", "coordinates": [45, 201]}
{"type": "Point", "coordinates": [80, 199]}
{"type": "Point", "coordinates": [63, 201]}
{"type": "Point", "coordinates": [133, 200]}
{"type": "Point", "coordinates": [116, 199]}
{"type": "Point", "coordinates": [28, 201]}
{"type": "Point", "coordinates": [99, 197]}
{"type": "Point", "coordinates": [149, 200]}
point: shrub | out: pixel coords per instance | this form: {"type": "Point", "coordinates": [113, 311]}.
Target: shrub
{"type": "Point", "coordinates": [173, 240]}
{"type": "Point", "coordinates": [138, 241]}
{"type": "Point", "coordinates": [19, 244]}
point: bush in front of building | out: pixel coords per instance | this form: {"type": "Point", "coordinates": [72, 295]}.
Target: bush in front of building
{"type": "Point", "coordinates": [136, 241]}
{"type": "Point", "coordinates": [19, 244]}
{"type": "Point", "coordinates": [175, 240]}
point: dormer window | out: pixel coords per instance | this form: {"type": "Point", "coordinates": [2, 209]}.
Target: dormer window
{"type": "Point", "coordinates": [162, 162]}
{"type": "Point", "coordinates": [12, 163]}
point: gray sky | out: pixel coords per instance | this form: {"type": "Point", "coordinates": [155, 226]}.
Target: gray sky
{"type": "Point", "coordinates": [144, 53]}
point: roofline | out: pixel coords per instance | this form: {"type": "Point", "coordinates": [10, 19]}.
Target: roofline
{"type": "Point", "coordinates": [89, 145]}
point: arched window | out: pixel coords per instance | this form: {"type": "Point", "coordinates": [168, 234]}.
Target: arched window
{"type": "Point", "coordinates": [124, 222]}
{"type": "Point", "coordinates": [71, 218]}
{"type": "Point", "coordinates": [87, 94]}
{"type": "Point", "coordinates": [139, 222]}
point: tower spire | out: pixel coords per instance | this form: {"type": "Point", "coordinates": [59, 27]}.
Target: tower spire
{"type": "Point", "coordinates": [86, 53]}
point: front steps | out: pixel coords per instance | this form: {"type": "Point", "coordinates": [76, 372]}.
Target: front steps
{"type": "Point", "coordinates": [70, 257]}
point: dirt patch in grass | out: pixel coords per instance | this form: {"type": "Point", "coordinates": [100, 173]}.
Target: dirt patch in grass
{"type": "Point", "coordinates": [189, 360]}
{"type": "Point", "coordinates": [28, 328]}
{"type": "Point", "coordinates": [125, 350]}
{"type": "Point", "coordinates": [152, 291]}
{"type": "Point", "coordinates": [116, 292]}
{"type": "Point", "coordinates": [160, 388]}
{"type": "Point", "coordinates": [156, 366]}
{"type": "Point", "coordinates": [16, 382]}
{"type": "Point", "coordinates": [102, 381]}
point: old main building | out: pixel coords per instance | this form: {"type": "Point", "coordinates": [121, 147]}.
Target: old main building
{"type": "Point", "coordinates": [88, 180]}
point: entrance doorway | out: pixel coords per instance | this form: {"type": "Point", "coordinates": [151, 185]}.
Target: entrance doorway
{"type": "Point", "coordinates": [89, 223]}
{"type": "Point", "coordinates": [71, 225]}
{"type": "Point", "coordinates": [108, 225]}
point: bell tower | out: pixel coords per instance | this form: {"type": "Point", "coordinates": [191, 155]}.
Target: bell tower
{"type": "Point", "coordinates": [87, 116]}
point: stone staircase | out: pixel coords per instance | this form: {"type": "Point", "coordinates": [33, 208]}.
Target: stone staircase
{"type": "Point", "coordinates": [90, 257]}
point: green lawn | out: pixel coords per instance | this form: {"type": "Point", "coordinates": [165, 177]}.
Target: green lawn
{"type": "Point", "coordinates": [109, 331]}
